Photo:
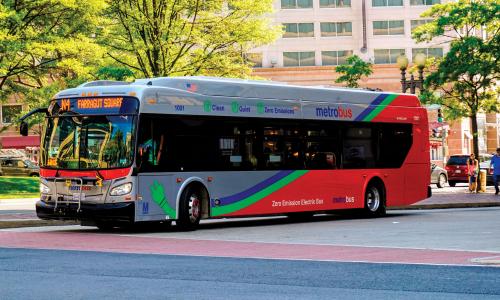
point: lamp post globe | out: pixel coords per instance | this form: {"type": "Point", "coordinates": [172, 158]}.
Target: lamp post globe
{"type": "Point", "coordinates": [402, 62]}
{"type": "Point", "coordinates": [420, 60]}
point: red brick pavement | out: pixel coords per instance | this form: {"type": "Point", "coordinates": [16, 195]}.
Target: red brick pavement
{"type": "Point", "coordinates": [173, 246]}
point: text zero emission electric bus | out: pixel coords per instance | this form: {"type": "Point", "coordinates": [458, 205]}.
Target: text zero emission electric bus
{"type": "Point", "coordinates": [191, 148]}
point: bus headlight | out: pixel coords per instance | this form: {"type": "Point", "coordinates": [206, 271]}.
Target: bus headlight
{"type": "Point", "coordinates": [44, 189]}
{"type": "Point", "coordinates": [121, 189]}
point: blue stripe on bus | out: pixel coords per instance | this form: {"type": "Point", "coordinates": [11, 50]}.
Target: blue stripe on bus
{"type": "Point", "coordinates": [254, 189]}
{"type": "Point", "coordinates": [371, 107]}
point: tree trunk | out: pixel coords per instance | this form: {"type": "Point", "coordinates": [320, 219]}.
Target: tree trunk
{"type": "Point", "coordinates": [475, 144]}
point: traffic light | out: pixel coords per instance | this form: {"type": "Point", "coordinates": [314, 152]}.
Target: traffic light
{"type": "Point", "coordinates": [440, 116]}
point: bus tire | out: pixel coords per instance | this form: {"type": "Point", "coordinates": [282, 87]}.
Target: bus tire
{"type": "Point", "coordinates": [374, 200]}
{"type": "Point", "coordinates": [190, 208]}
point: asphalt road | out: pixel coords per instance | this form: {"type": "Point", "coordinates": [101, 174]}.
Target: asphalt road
{"type": "Point", "coordinates": [49, 274]}
{"type": "Point", "coordinates": [413, 254]}
{"type": "Point", "coordinates": [470, 229]}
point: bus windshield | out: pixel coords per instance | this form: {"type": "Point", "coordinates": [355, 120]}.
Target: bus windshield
{"type": "Point", "coordinates": [88, 142]}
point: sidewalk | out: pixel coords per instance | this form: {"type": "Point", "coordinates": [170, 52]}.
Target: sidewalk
{"type": "Point", "coordinates": [21, 212]}
{"type": "Point", "coordinates": [456, 197]}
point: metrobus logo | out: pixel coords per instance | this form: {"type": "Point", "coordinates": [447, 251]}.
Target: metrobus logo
{"type": "Point", "coordinates": [338, 112]}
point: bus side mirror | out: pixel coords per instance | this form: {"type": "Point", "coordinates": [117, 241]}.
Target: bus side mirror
{"type": "Point", "coordinates": [23, 128]}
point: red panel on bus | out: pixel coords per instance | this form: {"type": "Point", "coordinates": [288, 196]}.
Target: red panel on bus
{"type": "Point", "coordinates": [105, 174]}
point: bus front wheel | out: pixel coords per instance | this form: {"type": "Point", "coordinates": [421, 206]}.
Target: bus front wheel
{"type": "Point", "coordinates": [190, 209]}
{"type": "Point", "coordinates": [374, 200]}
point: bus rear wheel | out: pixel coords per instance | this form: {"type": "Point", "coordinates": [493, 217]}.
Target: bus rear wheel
{"type": "Point", "coordinates": [374, 200]}
{"type": "Point", "coordinates": [190, 208]}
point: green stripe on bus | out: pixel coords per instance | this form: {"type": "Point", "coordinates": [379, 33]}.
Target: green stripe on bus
{"type": "Point", "coordinates": [227, 209]}
{"type": "Point", "coordinates": [380, 107]}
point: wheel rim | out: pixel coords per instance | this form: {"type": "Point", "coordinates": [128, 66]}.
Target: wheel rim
{"type": "Point", "coordinates": [373, 199]}
{"type": "Point", "coordinates": [194, 208]}
{"type": "Point", "coordinates": [442, 180]}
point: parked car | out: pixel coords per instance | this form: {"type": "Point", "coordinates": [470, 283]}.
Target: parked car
{"type": "Point", "coordinates": [457, 168]}
{"type": "Point", "coordinates": [18, 166]}
{"type": "Point", "coordinates": [439, 176]}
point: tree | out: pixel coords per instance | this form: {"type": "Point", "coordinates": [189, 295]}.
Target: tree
{"type": "Point", "coordinates": [353, 71]}
{"type": "Point", "coordinates": [43, 42]}
{"type": "Point", "coordinates": [187, 37]}
{"type": "Point", "coordinates": [464, 81]}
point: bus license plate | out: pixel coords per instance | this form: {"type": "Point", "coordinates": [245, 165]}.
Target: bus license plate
{"type": "Point", "coordinates": [76, 197]}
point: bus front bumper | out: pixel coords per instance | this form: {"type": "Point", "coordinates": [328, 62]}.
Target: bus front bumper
{"type": "Point", "coordinates": [122, 212]}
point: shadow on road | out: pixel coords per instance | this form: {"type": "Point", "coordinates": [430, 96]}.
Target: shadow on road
{"type": "Point", "coordinates": [251, 222]}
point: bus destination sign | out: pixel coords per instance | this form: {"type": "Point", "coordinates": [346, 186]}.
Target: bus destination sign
{"type": "Point", "coordinates": [98, 105]}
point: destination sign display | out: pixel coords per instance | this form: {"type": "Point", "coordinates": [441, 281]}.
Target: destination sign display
{"type": "Point", "coordinates": [96, 105]}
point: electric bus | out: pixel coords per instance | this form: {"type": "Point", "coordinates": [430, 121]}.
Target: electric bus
{"type": "Point", "coordinates": [189, 148]}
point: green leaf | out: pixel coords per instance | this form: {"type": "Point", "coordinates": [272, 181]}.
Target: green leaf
{"type": "Point", "coordinates": [352, 72]}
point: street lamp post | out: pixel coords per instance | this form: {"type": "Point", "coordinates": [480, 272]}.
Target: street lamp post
{"type": "Point", "coordinates": [412, 84]}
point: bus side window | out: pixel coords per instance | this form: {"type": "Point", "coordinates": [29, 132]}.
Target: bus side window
{"type": "Point", "coordinates": [249, 158]}
{"type": "Point", "coordinates": [358, 148]}
{"type": "Point", "coordinates": [322, 148]}
{"type": "Point", "coordinates": [151, 144]}
{"type": "Point", "coordinates": [331, 160]}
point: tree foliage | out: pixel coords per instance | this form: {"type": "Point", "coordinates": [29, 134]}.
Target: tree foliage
{"type": "Point", "coordinates": [187, 37]}
{"type": "Point", "coordinates": [353, 71]}
{"type": "Point", "coordinates": [465, 80]}
{"type": "Point", "coordinates": [44, 41]}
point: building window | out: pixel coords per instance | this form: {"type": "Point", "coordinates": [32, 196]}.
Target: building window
{"type": "Point", "coordinates": [336, 29]}
{"type": "Point", "coordinates": [393, 27]}
{"type": "Point", "coordinates": [334, 3]}
{"type": "Point", "coordinates": [294, 30]}
{"type": "Point", "coordinates": [255, 59]}
{"type": "Point", "coordinates": [298, 59]}
{"type": "Point", "coordinates": [387, 2]}
{"type": "Point", "coordinates": [10, 113]}
{"type": "Point", "coordinates": [334, 58]}
{"type": "Point", "coordinates": [387, 56]}
{"type": "Point", "coordinates": [416, 23]}
{"type": "Point", "coordinates": [291, 4]}
{"type": "Point", "coordinates": [429, 52]}
{"type": "Point", "coordinates": [424, 2]}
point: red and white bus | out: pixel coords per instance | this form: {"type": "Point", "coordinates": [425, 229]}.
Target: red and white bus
{"type": "Point", "coordinates": [190, 148]}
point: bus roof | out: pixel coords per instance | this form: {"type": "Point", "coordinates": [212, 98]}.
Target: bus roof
{"type": "Point", "coordinates": [261, 89]}
{"type": "Point", "coordinates": [252, 98]}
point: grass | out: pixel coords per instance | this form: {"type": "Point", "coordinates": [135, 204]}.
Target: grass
{"type": "Point", "coordinates": [19, 187]}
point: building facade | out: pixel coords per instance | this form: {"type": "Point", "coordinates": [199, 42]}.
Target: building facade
{"type": "Point", "coordinates": [321, 34]}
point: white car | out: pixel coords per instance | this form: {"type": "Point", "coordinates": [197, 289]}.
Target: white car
{"type": "Point", "coordinates": [439, 176]}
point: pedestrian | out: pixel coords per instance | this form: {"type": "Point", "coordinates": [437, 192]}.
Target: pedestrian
{"type": "Point", "coordinates": [472, 171]}
{"type": "Point", "coordinates": [495, 162]}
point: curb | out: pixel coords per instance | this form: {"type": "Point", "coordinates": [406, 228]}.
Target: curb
{"type": "Point", "coordinates": [33, 223]}
{"type": "Point", "coordinates": [38, 222]}
{"type": "Point", "coordinates": [445, 205]}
